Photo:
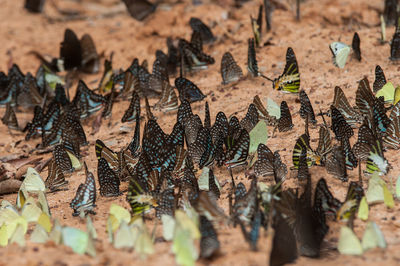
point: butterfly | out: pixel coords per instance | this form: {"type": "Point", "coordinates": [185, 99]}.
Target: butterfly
{"type": "Point", "coordinates": [10, 119]}
{"type": "Point", "coordinates": [107, 79]}
{"type": "Point", "coordinates": [209, 243]}
{"type": "Point", "coordinates": [202, 149]}
{"type": "Point", "coordinates": [392, 135]}
{"type": "Point", "coordinates": [166, 203]}
{"type": "Point", "coordinates": [172, 61]}
{"type": "Point", "coordinates": [340, 52]}
{"type": "Point", "coordinates": [238, 149]}
{"type": "Point", "coordinates": [339, 125]}
{"type": "Point", "coordinates": [139, 9]}
{"type": "Point", "coordinates": [184, 112]}
{"type": "Point", "coordinates": [306, 109]}
{"type": "Point", "coordinates": [303, 173]}
{"type": "Point", "coordinates": [70, 51]}
{"type": "Point", "coordinates": [62, 159]}
{"type": "Point", "coordinates": [159, 76]}
{"type": "Point", "coordinates": [230, 70]}
{"type": "Point", "coordinates": [269, 164]}
{"type": "Point", "coordinates": [55, 179]}
{"type": "Point", "coordinates": [108, 179]}
{"type": "Point", "coordinates": [351, 160]}
{"type": "Point", "coordinates": [263, 113]}
{"type": "Point", "coordinates": [28, 95]}
{"type": "Point", "coordinates": [289, 81]}
{"type": "Point", "coordinates": [87, 101]}
{"type": "Point", "coordinates": [356, 46]}
{"type": "Point", "coordinates": [336, 163]}
{"type": "Point", "coordinates": [285, 121]}
{"type": "Point", "coordinates": [372, 108]}
{"type": "Point", "coordinates": [192, 127]}
{"type": "Point", "coordinates": [196, 40]}
{"type": "Point", "coordinates": [133, 109]}
{"type": "Point", "coordinates": [246, 206]}
{"type": "Point", "coordinates": [188, 90]}
{"type": "Point", "coordinates": [205, 32]}
{"type": "Point", "coordinates": [302, 146]}
{"type": "Point", "coordinates": [90, 58]}
{"type": "Point", "coordinates": [251, 59]}
{"type": "Point", "coordinates": [134, 145]}
{"type": "Point", "coordinates": [324, 198]}
{"type": "Point", "coordinates": [34, 128]}
{"type": "Point", "coordinates": [395, 44]}
{"type": "Point", "coordinates": [324, 142]}
{"type": "Point", "coordinates": [284, 246]}
{"type": "Point", "coordinates": [85, 197]}
{"type": "Point", "coordinates": [341, 103]}
{"type": "Point", "coordinates": [256, 26]}
{"type": "Point", "coordinates": [192, 57]}
{"type": "Point", "coordinates": [354, 195]}
{"type": "Point", "coordinates": [220, 127]}
{"type": "Point", "coordinates": [251, 118]}
{"type": "Point", "coordinates": [107, 110]}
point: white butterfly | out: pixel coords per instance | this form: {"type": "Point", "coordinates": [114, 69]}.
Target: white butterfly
{"type": "Point", "coordinates": [340, 52]}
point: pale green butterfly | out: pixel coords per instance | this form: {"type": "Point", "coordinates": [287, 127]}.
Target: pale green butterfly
{"type": "Point", "coordinates": [340, 52]}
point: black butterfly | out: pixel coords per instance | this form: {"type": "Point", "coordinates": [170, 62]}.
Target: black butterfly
{"type": "Point", "coordinates": [168, 100]}
{"type": "Point", "coordinates": [341, 103]}
{"type": "Point", "coordinates": [192, 127]}
{"type": "Point", "coordinates": [10, 119]}
{"type": "Point", "coordinates": [172, 61]}
{"type": "Point", "coordinates": [284, 246]}
{"type": "Point", "coordinates": [55, 179]}
{"type": "Point", "coordinates": [87, 101]}
{"type": "Point", "coordinates": [159, 76]}
{"type": "Point", "coordinates": [246, 206]}
{"type": "Point", "coordinates": [202, 149]}
{"type": "Point", "coordinates": [356, 46]}
{"type": "Point", "coordinates": [108, 179]}
{"type": "Point", "coordinates": [237, 149]}
{"type": "Point", "coordinates": [251, 118]}
{"type": "Point", "coordinates": [166, 203]}
{"type": "Point", "coordinates": [34, 6]}
{"type": "Point", "coordinates": [289, 81]}
{"type": "Point", "coordinates": [351, 160]}
{"type": "Point", "coordinates": [205, 32]}
{"type": "Point", "coordinates": [285, 121]}
{"type": "Point", "coordinates": [70, 51]}
{"type": "Point", "coordinates": [184, 112]}
{"type": "Point", "coordinates": [196, 40]}
{"type": "Point", "coordinates": [28, 95]}
{"type": "Point", "coordinates": [303, 173]}
{"type": "Point", "coordinates": [133, 110]}
{"type": "Point", "coordinates": [392, 135]}
{"type": "Point", "coordinates": [189, 187]}
{"type": "Point", "coordinates": [134, 145]}
{"type": "Point", "coordinates": [192, 57]}
{"type": "Point", "coordinates": [107, 110]}
{"type": "Point", "coordinates": [90, 58]}
{"type": "Point", "coordinates": [324, 142]}
{"type": "Point", "coordinates": [395, 44]}
{"type": "Point", "coordinates": [209, 243]}
{"type": "Point", "coordinates": [324, 198]}
{"type": "Point", "coordinates": [220, 127]}
{"type": "Point", "coordinates": [85, 197]}
{"type": "Point", "coordinates": [139, 9]}
{"type": "Point", "coordinates": [339, 125]}
{"type": "Point", "coordinates": [61, 158]}
{"type": "Point", "coordinates": [230, 70]}
{"type": "Point", "coordinates": [336, 163]}
{"type": "Point", "coordinates": [372, 108]}
{"type": "Point", "coordinates": [269, 164]}
{"type": "Point", "coordinates": [188, 90]}
{"type": "Point", "coordinates": [380, 79]}
{"type": "Point", "coordinates": [390, 12]}
{"type": "Point", "coordinates": [251, 59]}
{"type": "Point", "coordinates": [212, 184]}
{"type": "Point", "coordinates": [306, 109]}
{"type": "Point", "coordinates": [34, 128]}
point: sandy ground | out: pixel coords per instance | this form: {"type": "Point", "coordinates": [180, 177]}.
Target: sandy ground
{"type": "Point", "coordinates": [322, 22]}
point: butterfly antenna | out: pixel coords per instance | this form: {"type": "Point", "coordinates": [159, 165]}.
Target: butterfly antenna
{"type": "Point", "coordinates": [267, 78]}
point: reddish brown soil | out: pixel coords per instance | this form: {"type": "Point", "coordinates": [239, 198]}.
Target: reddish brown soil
{"type": "Point", "coordinates": [322, 22]}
